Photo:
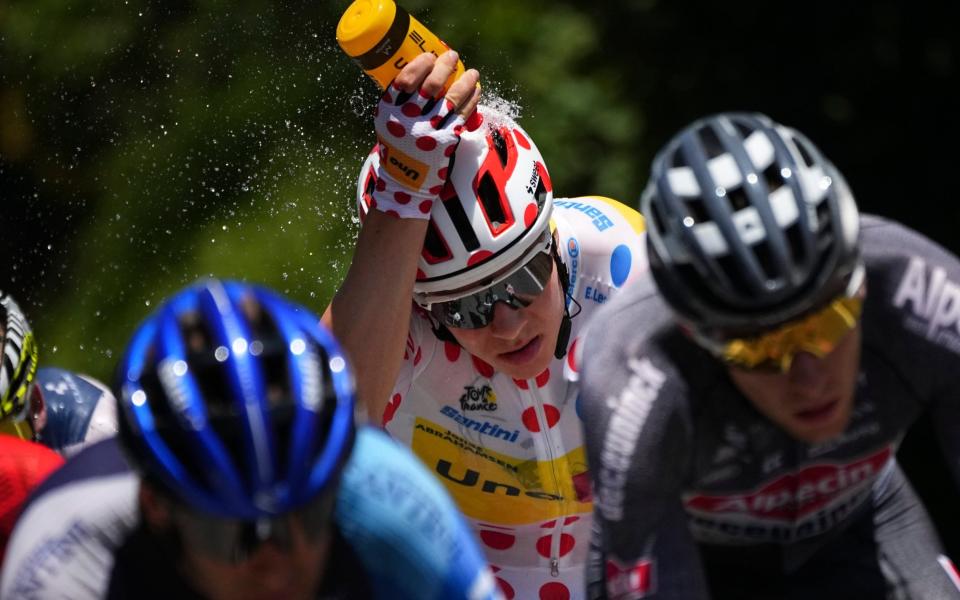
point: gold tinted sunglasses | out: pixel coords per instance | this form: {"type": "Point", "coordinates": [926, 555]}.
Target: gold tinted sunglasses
{"type": "Point", "coordinates": [817, 333]}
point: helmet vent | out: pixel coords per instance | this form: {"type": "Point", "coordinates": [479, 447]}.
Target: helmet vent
{"type": "Point", "coordinates": [711, 143]}
{"type": "Point", "coordinates": [540, 194]}
{"type": "Point", "coordinates": [737, 199]}
{"type": "Point", "coordinates": [795, 240]}
{"type": "Point", "coordinates": [492, 202]}
{"type": "Point", "coordinates": [805, 153]}
{"type": "Point", "coordinates": [743, 129]}
{"type": "Point", "coordinates": [762, 251]}
{"type": "Point", "coordinates": [435, 249]}
{"type": "Point", "coordinates": [460, 222]}
{"type": "Point", "coordinates": [772, 176]}
{"type": "Point", "coordinates": [499, 146]}
{"type": "Point", "coordinates": [542, 189]}
{"type": "Point", "coordinates": [823, 218]}
{"type": "Point", "coordinates": [697, 209]}
{"type": "Point", "coordinates": [164, 421]}
{"type": "Point", "coordinates": [734, 272]}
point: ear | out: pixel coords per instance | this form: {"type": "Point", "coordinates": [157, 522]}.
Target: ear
{"type": "Point", "coordinates": [156, 508]}
{"type": "Point", "coordinates": [38, 409]}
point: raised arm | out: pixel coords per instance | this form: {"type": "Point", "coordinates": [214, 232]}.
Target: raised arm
{"type": "Point", "coordinates": [370, 313]}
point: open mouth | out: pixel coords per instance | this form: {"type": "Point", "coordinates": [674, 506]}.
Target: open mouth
{"type": "Point", "coordinates": [523, 354]}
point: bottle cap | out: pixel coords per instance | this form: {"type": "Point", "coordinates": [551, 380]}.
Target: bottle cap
{"type": "Point", "coordinates": [364, 24]}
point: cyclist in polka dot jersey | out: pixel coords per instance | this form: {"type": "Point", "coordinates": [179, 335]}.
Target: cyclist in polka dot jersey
{"type": "Point", "coordinates": [480, 377]}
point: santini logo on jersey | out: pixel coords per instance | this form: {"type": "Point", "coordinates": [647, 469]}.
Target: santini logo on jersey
{"type": "Point", "coordinates": [484, 427]}
{"type": "Point", "coordinates": [934, 303]}
{"type": "Point", "coordinates": [795, 495]}
{"type": "Point", "coordinates": [599, 220]}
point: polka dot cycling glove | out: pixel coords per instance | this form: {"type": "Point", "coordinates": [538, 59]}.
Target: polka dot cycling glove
{"type": "Point", "coordinates": [418, 135]}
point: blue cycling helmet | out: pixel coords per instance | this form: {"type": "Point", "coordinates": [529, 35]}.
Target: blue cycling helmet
{"type": "Point", "coordinates": [236, 402]}
{"type": "Point", "coordinates": [749, 226]}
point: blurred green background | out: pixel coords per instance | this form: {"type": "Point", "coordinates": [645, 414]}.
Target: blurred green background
{"type": "Point", "coordinates": [144, 144]}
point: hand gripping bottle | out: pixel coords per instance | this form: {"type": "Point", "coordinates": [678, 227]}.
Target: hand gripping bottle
{"type": "Point", "coordinates": [382, 38]}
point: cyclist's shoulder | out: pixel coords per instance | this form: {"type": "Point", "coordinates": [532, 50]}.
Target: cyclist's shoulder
{"type": "Point", "coordinates": [910, 315]}
{"type": "Point", "coordinates": [599, 215]}
{"type": "Point", "coordinates": [889, 246]}
{"type": "Point", "coordinates": [399, 521]}
{"type": "Point", "coordinates": [906, 271]}
{"type": "Point", "coordinates": [77, 484]}
{"type": "Point", "coordinates": [601, 242]}
{"type": "Point", "coordinates": [633, 317]}
{"type": "Point", "coordinates": [67, 536]}
{"type": "Point", "coordinates": [383, 472]}
{"type": "Point", "coordinates": [23, 465]}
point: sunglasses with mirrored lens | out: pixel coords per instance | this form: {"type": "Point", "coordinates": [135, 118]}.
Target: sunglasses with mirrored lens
{"type": "Point", "coordinates": [517, 290]}
{"type": "Point", "coordinates": [233, 541]}
{"type": "Point", "coordinates": [818, 334]}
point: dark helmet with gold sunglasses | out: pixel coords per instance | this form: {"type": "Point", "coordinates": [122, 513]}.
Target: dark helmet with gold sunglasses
{"type": "Point", "coordinates": [753, 240]}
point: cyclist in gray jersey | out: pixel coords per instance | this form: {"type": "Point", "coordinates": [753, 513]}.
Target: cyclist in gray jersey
{"type": "Point", "coordinates": [744, 406]}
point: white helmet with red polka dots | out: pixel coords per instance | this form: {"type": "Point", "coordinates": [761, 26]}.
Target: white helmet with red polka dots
{"type": "Point", "coordinates": [495, 205]}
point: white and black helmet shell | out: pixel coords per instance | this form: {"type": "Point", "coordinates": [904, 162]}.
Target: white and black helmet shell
{"type": "Point", "coordinates": [749, 225]}
{"type": "Point", "coordinates": [18, 359]}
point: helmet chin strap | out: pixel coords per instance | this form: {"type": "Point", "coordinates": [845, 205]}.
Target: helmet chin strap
{"type": "Point", "coordinates": [563, 336]}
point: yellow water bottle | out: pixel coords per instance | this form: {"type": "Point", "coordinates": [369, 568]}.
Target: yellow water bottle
{"type": "Point", "coordinates": [382, 38]}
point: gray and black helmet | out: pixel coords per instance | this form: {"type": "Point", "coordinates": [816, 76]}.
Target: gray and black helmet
{"type": "Point", "coordinates": [749, 226]}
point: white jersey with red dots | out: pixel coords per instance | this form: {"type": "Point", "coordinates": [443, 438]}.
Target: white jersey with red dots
{"type": "Point", "coordinates": [511, 451]}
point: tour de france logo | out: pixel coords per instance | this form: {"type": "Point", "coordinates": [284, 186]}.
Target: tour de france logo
{"type": "Point", "coordinates": [478, 398]}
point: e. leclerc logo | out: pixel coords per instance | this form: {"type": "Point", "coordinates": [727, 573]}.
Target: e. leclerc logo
{"type": "Point", "coordinates": [573, 250]}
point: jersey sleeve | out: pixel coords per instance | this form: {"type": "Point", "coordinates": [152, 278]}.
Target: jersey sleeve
{"type": "Point", "coordinates": [639, 442]}
{"type": "Point", "coordinates": [405, 529]}
{"type": "Point", "coordinates": [64, 542]}
{"type": "Point", "coordinates": [23, 465]}
{"type": "Point", "coordinates": [913, 285]}
{"type": "Point", "coordinates": [602, 244]}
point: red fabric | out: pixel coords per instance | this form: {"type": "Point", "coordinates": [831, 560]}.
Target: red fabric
{"type": "Point", "coordinates": [23, 466]}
